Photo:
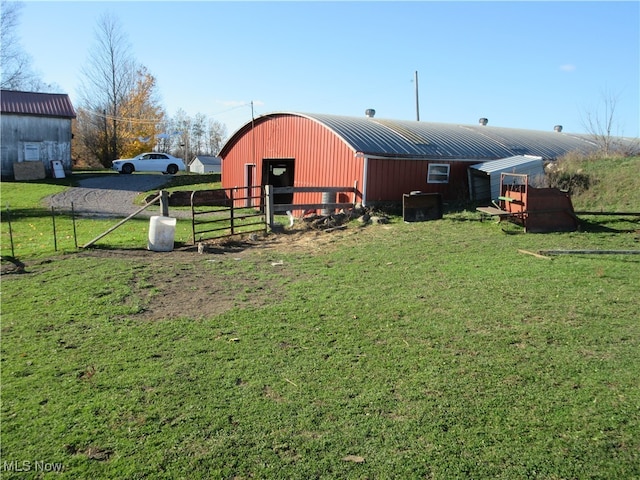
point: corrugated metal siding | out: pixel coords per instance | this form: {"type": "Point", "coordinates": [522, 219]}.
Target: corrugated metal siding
{"type": "Point", "coordinates": [52, 135]}
{"type": "Point", "coordinates": [410, 139]}
{"type": "Point", "coordinates": [328, 150]}
{"type": "Point", "coordinates": [528, 165]}
{"type": "Point", "coordinates": [39, 104]}
{"type": "Point", "coordinates": [506, 164]}
{"type": "Point", "coordinates": [321, 158]}
{"type": "Point", "coordinates": [439, 140]}
{"type": "Point", "coordinates": [389, 179]}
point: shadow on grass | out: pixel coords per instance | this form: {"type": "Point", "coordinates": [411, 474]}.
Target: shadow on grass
{"type": "Point", "coordinates": [21, 213]}
{"type": "Point", "coordinates": [223, 247]}
{"type": "Point", "coordinates": [609, 225]}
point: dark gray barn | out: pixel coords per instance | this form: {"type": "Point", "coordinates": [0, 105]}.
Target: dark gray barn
{"type": "Point", "coordinates": [36, 129]}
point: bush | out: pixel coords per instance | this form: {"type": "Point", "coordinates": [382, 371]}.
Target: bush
{"type": "Point", "coordinates": [567, 174]}
{"type": "Point", "coordinates": [572, 182]}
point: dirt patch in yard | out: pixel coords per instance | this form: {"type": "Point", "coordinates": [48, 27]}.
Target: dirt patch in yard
{"type": "Point", "coordinates": [186, 283]}
{"type": "Point", "coordinates": [229, 273]}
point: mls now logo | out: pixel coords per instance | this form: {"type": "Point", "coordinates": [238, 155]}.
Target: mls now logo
{"type": "Point", "coordinates": [29, 466]}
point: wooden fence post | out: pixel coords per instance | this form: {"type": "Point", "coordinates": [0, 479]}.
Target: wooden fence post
{"type": "Point", "coordinates": [231, 211]}
{"type": "Point", "coordinates": [164, 203]}
{"type": "Point", "coordinates": [53, 220]}
{"type": "Point", "coordinates": [10, 230]}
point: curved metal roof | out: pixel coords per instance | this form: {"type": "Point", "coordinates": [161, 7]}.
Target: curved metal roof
{"type": "Point", "coordinates": [426, 140]}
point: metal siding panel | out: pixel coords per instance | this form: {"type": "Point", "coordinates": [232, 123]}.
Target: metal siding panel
{"type": "Point", "coordinates": [410, 140]}
{"type": "Point", "coordinates": [321, 158]}
{"type": "Point", "coordinates": [439, 140]}
{"type": "Point", "coordinates": [504, 164]}
{"type": "Point", "coordinates": [34, 103]}
{"type": "Point", "coordinates": [324, 148]}
{"type": "Point", "coordinates": [53, 134]}
{"type": "Point", "coordinates": [390, 179]}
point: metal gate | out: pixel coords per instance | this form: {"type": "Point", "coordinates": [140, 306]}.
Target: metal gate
{"type": "Point", "coordinates": [214, 213]}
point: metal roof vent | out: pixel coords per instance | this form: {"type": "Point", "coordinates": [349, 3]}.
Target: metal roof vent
{"type": "Point", "coordinates": [370, 112]}
{"type": "Point", "coordinates": [483, 121]}
{"type": "Point", "coordinates": [557, 128]}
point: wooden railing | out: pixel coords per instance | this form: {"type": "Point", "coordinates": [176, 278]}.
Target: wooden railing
{"type": "Point", "coordinates": [214, 212]}
{"type": "Point", "coordinates": [272, 208]}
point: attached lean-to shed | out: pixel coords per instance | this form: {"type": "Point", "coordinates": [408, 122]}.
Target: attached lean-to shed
{"type": "Point", "coordinates": [36, 131]}
{"type": "Point", "coordinates": [385, 159]}
{"type": "Point", "coordinates": [205, 164]}
{"type": "Point", "coordinates": [484, 178]}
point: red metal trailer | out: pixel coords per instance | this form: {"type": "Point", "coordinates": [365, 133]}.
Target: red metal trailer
{"type": "Point", "coordinates": [538, 210]}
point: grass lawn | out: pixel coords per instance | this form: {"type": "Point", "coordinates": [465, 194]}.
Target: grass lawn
{"type": "Point", "coordinates": [424, 350]}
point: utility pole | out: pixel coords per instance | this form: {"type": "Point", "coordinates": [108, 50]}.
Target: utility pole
{"type": "Point", "coordinates": [417, 100]}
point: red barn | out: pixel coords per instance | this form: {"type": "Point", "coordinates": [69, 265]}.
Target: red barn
{"type": "Point", "coordinates": [384, 158]}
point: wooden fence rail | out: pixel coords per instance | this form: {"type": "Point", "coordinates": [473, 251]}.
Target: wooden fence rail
{"type": "Point", "coordinates": [214, 213]}
{"type": "Point", "coordinates": [271, 208]}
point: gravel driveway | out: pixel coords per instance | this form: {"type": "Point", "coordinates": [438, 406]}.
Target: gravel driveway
{"type": "Point", "coordinates": [110, 195]}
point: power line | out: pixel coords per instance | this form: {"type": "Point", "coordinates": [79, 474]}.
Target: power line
{"type": "Point", "coordinates": [150, 121]}
{"type": "Point", "coordinates": [122, 119]}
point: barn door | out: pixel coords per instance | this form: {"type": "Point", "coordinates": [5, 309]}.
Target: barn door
{"type": "Point", "coordinates": [279, 173]}
{"type": "Point", "coordinates": [479, 186]}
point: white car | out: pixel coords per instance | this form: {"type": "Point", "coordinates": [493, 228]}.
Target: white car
{"type": "Point", "coordinates": [150, 162]}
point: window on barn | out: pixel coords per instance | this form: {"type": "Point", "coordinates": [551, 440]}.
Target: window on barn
{"type": "Point", "coordinates": [438, 173]}
{"type": "Point", "coordinates": [31, 151]}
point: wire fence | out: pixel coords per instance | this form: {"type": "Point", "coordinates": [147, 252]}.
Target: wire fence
{"type": "Point", "coordinates": [33, 233]}
{"type": "Point", "coordinates": [38, 232]}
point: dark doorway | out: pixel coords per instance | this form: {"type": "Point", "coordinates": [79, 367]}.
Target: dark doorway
{"type": "Point", "coordinates": [279, 173]}
{"type": "Point", "coordinates": [249, 170]}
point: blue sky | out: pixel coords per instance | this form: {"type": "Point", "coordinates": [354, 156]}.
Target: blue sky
{"type": "Point", "coordinates": [520, 64]}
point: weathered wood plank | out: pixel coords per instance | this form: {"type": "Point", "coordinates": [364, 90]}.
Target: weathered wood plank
{"type": "Point", "coordinates": [589, 252]}
{"type": "Point", "coordinates": [620, 214]}
{"type": "Point", "coordinates": [493, 211]}
{"type": "Point", "coordinates": [310, 206]}
{"type": "Point", "coordinates": [313, 189]}
{"type": "Point", "coordinates": [537, 255]}
{"type": "Point", "coordinates": [121, 222]}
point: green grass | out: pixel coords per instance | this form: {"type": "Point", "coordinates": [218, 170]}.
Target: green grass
{"type": "Point", "coordinates": [32, 223]}
{"type": "Point", "coordinates": [430, 350]}
{"type": "Point", "coordinates": [424, 350]}
{"type": "Point", "coordinates": [615, 183]}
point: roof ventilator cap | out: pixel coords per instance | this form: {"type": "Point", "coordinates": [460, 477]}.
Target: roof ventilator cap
{"type": "Point", "coordinates": [483, 121]}
{"type": "Point", "coordinates": [370, 112]}
{"type": "Point", "coordinates": [557, 128]}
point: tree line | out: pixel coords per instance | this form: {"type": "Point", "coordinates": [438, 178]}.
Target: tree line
{"type": "Point", "coordinates": [119, 114]}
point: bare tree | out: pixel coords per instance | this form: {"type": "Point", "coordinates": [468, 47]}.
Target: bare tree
{"type": "Point", "coordinates": [186, 136]}
{"type": "Point", "coordinates": [182, 127]}
{"type": "Point", "coordinates": [198, 132]}
{"type": "Point", "coordinates": [602, 125]}
{"type": "Point", "coordinates": [164, 139]}
{"type": "Point", "coordinates": [108, 79]}
{"type": "Point", "coordinates": [15, 63]}
{"type": "Point", "coordinates": [216, 135]}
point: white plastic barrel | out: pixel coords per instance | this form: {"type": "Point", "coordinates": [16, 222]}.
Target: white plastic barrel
{"type": "Point", "coordinates": [162, 232]}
